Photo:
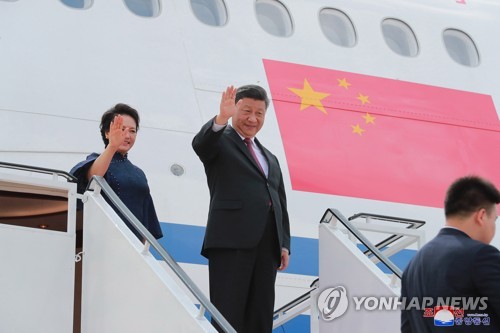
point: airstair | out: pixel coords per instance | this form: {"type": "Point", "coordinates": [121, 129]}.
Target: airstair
{"type": "Point", "coordinates": [59, 277]}
{"type": "Point", "coordinates": [123, 287]}
{"type": "Point", "coordinates": [359, 285]}
{"type": "Point", "coordinates": [37, 250]}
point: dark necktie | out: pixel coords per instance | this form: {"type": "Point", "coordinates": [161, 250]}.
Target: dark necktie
{"type": "Point", "coordinates": [248, 142]}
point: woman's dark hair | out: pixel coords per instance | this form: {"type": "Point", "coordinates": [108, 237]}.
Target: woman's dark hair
{"type": "Point", "coordinates": [108, 116]}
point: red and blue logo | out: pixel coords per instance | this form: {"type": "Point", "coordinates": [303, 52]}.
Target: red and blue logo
{"type": "Point", "coordinates": [445, 315]}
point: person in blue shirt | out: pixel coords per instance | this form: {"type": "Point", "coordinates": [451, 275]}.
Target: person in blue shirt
{"type": "Point", "coordinates": [119, 127]}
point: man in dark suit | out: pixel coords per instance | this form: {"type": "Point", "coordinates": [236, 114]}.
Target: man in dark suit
{"type": "Point", "coordinates": [457, 268]}
{"type": "Point", "coordinates": [247, 238]}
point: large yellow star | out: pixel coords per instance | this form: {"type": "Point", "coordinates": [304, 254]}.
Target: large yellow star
{"type": "Point", "coordinates": [364, 99]}
{"type": "Point", "coordinates": [310, 97]}
{"type": "Point", "coordinates": [358, 130]}
{"type": "Point", "coordinates": [369, 119]}
{"type": "Point", "coordinates": [343, 83]}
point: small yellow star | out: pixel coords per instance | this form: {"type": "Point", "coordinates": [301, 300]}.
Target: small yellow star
{"type": "Point", "coordinates": [358, 130]}
{"type": "Point", "coordinates": [369, 119]}
{"type": "Point", "coordinates": [363, 98]}
{"type": "Point", "coordinates": [310, 97]}
{"type": "Point", "coordinates": [343, 83]}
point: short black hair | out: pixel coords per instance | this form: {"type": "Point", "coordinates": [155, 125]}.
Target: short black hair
{"type": "Point", "coordinates": [252, 91]}
{"type": "Point", "coordinates": [468, 194]}
{"type": "Point", "coordinates": [109, 115]}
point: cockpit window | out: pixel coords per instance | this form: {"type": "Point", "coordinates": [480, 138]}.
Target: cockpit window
{"type": "Point", "coordinates": [144, 8]}
{"type": "Point", "coordinates": [400, 38]}
{"type": "Point", "coordinates": [461, 47]}
{"type": "Point", "coordinates": [78, 4]}
{"type": "Point", "coordinates": [274, 18]}
{"type": "Point", "coordinates": [211, 12]}
{"type": "Point", "coordinates": [337, 27]}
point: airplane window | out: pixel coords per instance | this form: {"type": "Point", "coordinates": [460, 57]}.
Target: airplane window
{"type": "Point", "coordinates": [337, 27]}
{"type": "Point", "coordinates": [400, 38]}
{"type": "Point", "coordinates": [211, 12]}
{"type": "Point", "coordinates": [144, 8]}
{"type": "Point", "coordinates": [78, 4]}
{"type": "Point", "coordinates": [274, 18]}
{"type": "Point", "coordinates": [461, 47]}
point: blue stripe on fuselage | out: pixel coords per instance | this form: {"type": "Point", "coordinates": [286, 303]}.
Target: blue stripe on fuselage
{"type": "Point", "coordinates": [183, 242]}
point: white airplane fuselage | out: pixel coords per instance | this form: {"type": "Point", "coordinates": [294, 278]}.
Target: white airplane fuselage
{"type": "Point", "coordinates": [61, 68]}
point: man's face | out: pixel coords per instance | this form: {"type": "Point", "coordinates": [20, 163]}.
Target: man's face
{"type": "Point", "coordinates": [249, 117]}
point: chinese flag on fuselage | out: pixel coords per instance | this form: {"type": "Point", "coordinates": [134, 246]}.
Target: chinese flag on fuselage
{"type": "Point", "coordinates": [369, 137]}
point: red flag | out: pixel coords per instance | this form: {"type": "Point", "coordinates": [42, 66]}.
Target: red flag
{"type": "Point", "coordinates": [369, 137]}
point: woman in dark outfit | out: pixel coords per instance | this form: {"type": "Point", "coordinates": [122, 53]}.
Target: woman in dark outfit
{"type": "Point", "coordinates": [119, 127]}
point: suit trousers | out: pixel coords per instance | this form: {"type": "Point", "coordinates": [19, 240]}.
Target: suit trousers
{"type": "Point", "coordinates": [242, 282]}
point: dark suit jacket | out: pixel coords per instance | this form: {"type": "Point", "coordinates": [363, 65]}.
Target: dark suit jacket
{"type": "Point", "coordinates": [452, 265]}
{"type": "Point", "coordinates": [239, 193]}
